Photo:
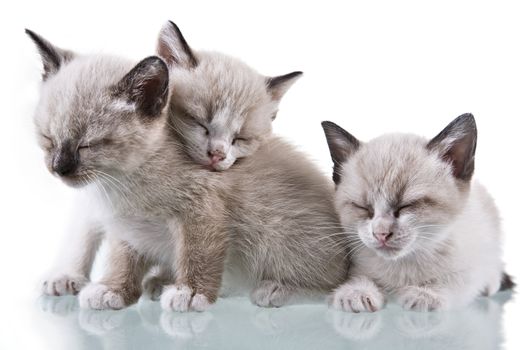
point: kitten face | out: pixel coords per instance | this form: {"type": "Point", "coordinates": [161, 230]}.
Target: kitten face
{"type": "Point", "coordinates": [221, 108]}
{"type": "Point", "coordinates": [98, 115]}
{"type": "Point", "coordinates": [398, 193]}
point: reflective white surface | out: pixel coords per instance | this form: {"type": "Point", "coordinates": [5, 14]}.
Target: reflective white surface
{"type": "Point", "coordinates": [234, 323]}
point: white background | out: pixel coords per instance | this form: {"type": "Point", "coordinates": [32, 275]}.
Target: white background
{"type": "Point", "coordinates": [371, 66]}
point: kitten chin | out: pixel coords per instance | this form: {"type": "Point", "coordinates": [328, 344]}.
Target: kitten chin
{"type": "Point", "coordinates": [421, 229]}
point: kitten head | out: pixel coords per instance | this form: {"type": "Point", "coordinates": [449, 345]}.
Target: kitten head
{"type": "Point", "coordinates": [221, 108]}
{"type": "Point", "coordinates": [398, 192]}
{"type": "Point", "coordinates": [98, 115]}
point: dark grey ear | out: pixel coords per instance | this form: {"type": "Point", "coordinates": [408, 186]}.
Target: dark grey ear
{"type": "Point", "coordinates": [173, 48]}
{"type": "Point", "coordinates": [277, 86]}
{"type": "Point", "coordinates": [341, 144]}
{"type": "Point", "coordinates": [146, 86]}
{"type": "Point", "coordinates": [456, 144]}
{"type": "Point", "coordinates": [52, 57]}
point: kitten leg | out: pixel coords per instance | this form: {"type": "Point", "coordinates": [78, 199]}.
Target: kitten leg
{"type": "Point", "coordinates": [121, 286]}
{"type": "Point", "coordinates": [201, 245]}
{"type": "Point", "coordinates": [421, 298]}
{"type": "Point", "coordinates": [359, 294]}
{"type": "Point", "coordinates": [270, 294]}
{"type": "Point", "coordinates": [72, 272]}
{"type": "Point", "coordinates": [155, 281]}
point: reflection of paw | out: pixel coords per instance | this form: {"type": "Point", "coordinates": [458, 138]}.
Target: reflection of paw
{"type": "Point", "coordinates": [181, 298]}
{"type": "Point", "coordinates": [422, 324]}
{"type": "Point", "coordinates": [265, 322]}
{"type": "Point", "coordinates": [149, 312]}
{"type": "Point", "coordinates": [358, 295]}
{"type": "Point", "coordinates": [420, 299]}
{"type": "Point", "coordinates": [100, 297]}
{"type": "Point", "coordinates": [152, 287]}
{"type": "Point", "coordinates": [63, 284]}
{"type": "Point", "coordinates": [185, 326]}
{"type": "Point", "coordinates": [270, 294]}
{"type": "Point", "coordinates": [100, 322]}
{"type": "Point", "coordinates": [356, 327]}
{"type": "Point", "coordinates": [59, 306]}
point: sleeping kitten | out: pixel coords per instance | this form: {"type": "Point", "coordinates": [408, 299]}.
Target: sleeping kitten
{"type": "Point", "coordinates": [421, 229]}
{"type": "Point", "coordinates": [104, 126]}
{"type": "Point", "coordinates": [222, 110]}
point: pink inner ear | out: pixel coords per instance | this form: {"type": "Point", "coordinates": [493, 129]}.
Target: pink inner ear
{"type": "Point", "coordinates": [461, 155]}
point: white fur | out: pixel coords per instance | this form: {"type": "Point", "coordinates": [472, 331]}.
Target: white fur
{"type": "Point", "coordinates": [100, 297]}
{"type": "Point", "coordinates": [447, 249]}
{"type": "Point", "coordinates": [359, 294]}
{"type": "Point", "coordinates": [179, 298]}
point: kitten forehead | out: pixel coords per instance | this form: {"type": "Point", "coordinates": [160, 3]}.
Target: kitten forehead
{"type": "Point", "coordinates": [219, 83]}
{"type": "Point", "coordinates": [395, 168]}
{"type": "Point", "coordinates": [80, 89]}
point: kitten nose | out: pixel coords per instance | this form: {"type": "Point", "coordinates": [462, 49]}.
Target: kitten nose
{"type": "Point", "coordinates": [216, 156]}
{"type": "Point", "coordinates": [64, 162]}
{"type": "Point", "coordinates": [382, 237]}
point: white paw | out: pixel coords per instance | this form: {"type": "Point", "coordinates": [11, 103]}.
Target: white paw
{"type": "Point", "coordinates": [63, 284]}
{"type": "Point", "coordinates": [152, 287]}
{"type": "Point", "coordinates": [180, 298]}
{"type": "Point", "coordinates": [358, 295]}
{"type": "Point", "coordinates": [100, 297]}
{"type": "Point", "coordinates": [200, 302]}
{"type": "Point", "coordinates": [270, 294]}
{"type": "Point", "coordinates": [420, 299]}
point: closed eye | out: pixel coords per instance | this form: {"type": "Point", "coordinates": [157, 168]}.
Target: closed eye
{"type": "Point", "coordinates": [422, 202]}
{"type": "Point", "coordinates": [401, 208]}
{"type": "Point", "coordinates": [206, 131]}
{"type": "Point", "coordinates": [239, 139]}
{"type": "Point", "coordinates": [95, 144]}
{"type": "Point", "coordinates": [47, 141]}
{"type": "Point", "coordinates": [369, 210]}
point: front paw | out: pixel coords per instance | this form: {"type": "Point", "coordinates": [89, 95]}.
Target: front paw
{"type": "Point", "coordinates": [63, 284]}
{"type": "Point", "coordinates": [181, 298]}
{"type": "Point", "coordinates": [101, 297]}
{"type": "Point", "coordinates": [420, 299]}
{"type": "Point", "coordinates": [358, 295]}
{"type": "Point", "coordinates": [270, 294]}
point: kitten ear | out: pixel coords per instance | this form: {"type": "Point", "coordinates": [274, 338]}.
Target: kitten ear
{"type": "Point", "coordinates": [146, 86]}
{"type": "Point", "coordinates": [456, 144]}
{"type": "Point", "coordinates": [173, 48]}
{"type": "Point", "coordinates": [341, 144]}
{"type": "Point", "coordinates": [52, 57]}
{"type": "Point", "coordinates": [277, 86]}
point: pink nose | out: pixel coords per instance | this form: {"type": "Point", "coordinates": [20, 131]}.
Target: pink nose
{"type": "Point", "coordinates": [382, 237]}
{"type": "Point", "coordinates": [216, 156]}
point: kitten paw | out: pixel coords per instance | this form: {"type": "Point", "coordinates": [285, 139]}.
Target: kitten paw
{"type": "Point", "coordinates": [100, 297]}
{"type": "Point", "coordinates": [63, 285]}
{"type": "Point", "coordinates": [358, 295]}
{"type": "Point", "coordinates": [152, 287]}
{"type": "Point", "coordinates": [182, 299]}
{"type": "Point", "coordinates": [270, 294]}
{"type": "Point", "coordinates": [420, 299]}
